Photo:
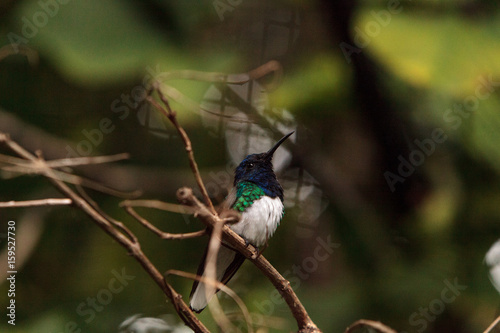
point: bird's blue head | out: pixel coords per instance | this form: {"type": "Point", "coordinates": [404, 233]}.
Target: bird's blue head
{"type": "Point", "coordinates": [258, 169]}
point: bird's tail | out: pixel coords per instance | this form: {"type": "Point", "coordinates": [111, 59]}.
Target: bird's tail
{"type": "Point", "coordinates": [228, 262]}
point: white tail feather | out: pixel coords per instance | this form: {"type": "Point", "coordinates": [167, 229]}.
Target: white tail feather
{"type": "Point", "coordinates": [200, 299]}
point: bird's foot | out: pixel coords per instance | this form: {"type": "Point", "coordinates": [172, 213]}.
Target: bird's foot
{"type": "Point", "coordinates": [247, 242]}
{"type": "Point", "coordinates": [257, 253]}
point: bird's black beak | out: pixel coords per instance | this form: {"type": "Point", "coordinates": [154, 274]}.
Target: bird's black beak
{"type": "Point", "coordinates": [271, 151]}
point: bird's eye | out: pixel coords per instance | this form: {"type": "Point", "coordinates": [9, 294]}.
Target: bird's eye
{"type": "Point", "coordinates": [250, 165]}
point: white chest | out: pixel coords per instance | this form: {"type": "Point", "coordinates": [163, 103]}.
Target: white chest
{"type": "Point", "coordinates": [259, 221]}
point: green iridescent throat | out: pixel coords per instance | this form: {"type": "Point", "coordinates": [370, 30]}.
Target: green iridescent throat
{"type": "Point", "coordinates": [246, 194]}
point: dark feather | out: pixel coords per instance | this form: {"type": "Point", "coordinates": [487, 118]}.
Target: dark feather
{"type": "Point", "coordinates": [228, 272]}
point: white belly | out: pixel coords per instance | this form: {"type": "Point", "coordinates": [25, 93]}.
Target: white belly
{"type": "Point", "coordinates": [259, 221]}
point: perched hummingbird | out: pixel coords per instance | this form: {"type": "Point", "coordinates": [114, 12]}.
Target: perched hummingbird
{"type": "Point", "coordinates": [258, 196]}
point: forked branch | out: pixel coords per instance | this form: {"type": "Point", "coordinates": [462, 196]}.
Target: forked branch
{"type": "Point", "coordinates": [124, 237]}
{"type": "Point", "coordinates": [171, 116]}
{"type": "Point", "coordinates": [207, 214]}
{"type": "Point", "coordinates": [304, 322]}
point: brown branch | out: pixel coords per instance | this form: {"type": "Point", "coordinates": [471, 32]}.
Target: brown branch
{"type": "Point", "coordinates": [211, 273]}
{"type": "Point", "coordinates": [218, 314]}
{"type": "Point", "coordinates": [214, 244]}
{"type": "Point", "coordinates": [157, 204]}
{"type": "Point", "coordinates": [133, 247]}
{"type": "Point", "coordinates": [190, 104]}
{"type": "Point", "coordinates": [268, 67]}
{"type": "Point", "coordinates": [75, 161]}
{"type": "Point", "coordinates": [217, 284]}
{"type": "Point", "coordinates": [370, 323]}
{"type": "Point", "coordinates": [210, 218]}
{"type": "Point", "coordinates": [158, 232]}
{"type": "Point", "coordinates": [218, 77]}
{"type": "Point", "coordinates": [206, 212]}
{"type": "Point", "coordinates": [33, 203]}
{"type": "Point", "coordinates": [36, 168]}
{"type": "Point", "coordinates": [171, 115]}
{"type": "Point", "coordinates": [304, 322]}
{"type": "Point", "coordinates": [66, 162]}
{"type": "Point", "coordinates": [271, 66]}
{"type": "Point", "coordinates": [98, 209]}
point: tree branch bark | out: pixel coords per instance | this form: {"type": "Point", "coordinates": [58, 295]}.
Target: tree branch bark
{"type": "Point", "coordinates": [170, 114]}
{"type": "Point", "coordinates": [133, 247]}
{"type": "Point", "coordinates": [34, 203]}
{"type": "Point", "coordinates": [304, 322]}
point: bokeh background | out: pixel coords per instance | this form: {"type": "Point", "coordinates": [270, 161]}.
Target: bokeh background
{"type": "Point", "coordinates": [396, 106]}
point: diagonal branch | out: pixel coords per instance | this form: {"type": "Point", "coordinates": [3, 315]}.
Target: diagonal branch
{"type": "Point", "coordinates": [304, 322]}
{"type": "Point", "coordinates": [221, 286]}
{"type": "Point", "coordinates": [133, 247]}
{"type": "Point", "coordinates": [26, 167]}
{"type": "Point", "coordinates": [211, 219]}
{"type": "Point", "coordinates": [158, 232]}
{"type": "Point", "coordinates": [157, 204]}
{"type": "Point", "coordinates": [214, 245]}
{"type": "Point", "coordinates": [170, 114]}
{"type": "Point", "coordinates": [211, 272]}
{"type": "Point", "coordinates": [118, 224]}
{"type": "Point", "coordinates": [66, 162]}
{"type": "Point", "coordinates": [217, 77]}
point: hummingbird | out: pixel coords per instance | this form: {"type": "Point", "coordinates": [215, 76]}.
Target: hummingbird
{"type": "Point", "coordinates": [258, 197]}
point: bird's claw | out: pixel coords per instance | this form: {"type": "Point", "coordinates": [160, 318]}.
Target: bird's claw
{"type": "Point", "coordinates": [257, 253]}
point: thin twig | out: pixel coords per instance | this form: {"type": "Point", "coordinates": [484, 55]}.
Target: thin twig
{"type": "Point", "coordinates": [204, 76]}
{"type": "Point", "coordinates": [158, 232]}
{"type": "Point", "coordinates": [33, 203]}
{"type": "Point", "coordinates": [206, 212]}
{"type": "Point", "coordinates": [304, 322]}
{"type": "Point", "coordinates": [191, 105]}
{"type": "Point", "coordinates": [117, 223]}
{"type": "Point", "coordinates": [493, 325]}
{"type": "Point", "coordinates": [222, 287]}
{"type": "Point", "coordinates": [211, 273]}
{"type": "Point", "coordinates": [213, 248]}
{"type": "Point", "coordinates": [12, 160]}
{"type": "Point", "coordinates": [271, 66]}
{"type": "Point", "coordinates": [210, 268]}
{"type": "Point", "coordinates": [217, 77]}
{"type": "Point", "coordinates": [182, 309]}
{"type": "Point", "coordinates": [75, 161]}
{"type": "Point", "coordinates": [66, 162]}
{"type": "Point", "coordinates": [34, 167]}
{"type": "Point", "coordinates": [268, 67]}
{"type": "Point", "coordinates": [157, 204]}
{"type": "Point", "coordinates": [370, 323]}
{"type": "Point", "coordinates": [170, 114]}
